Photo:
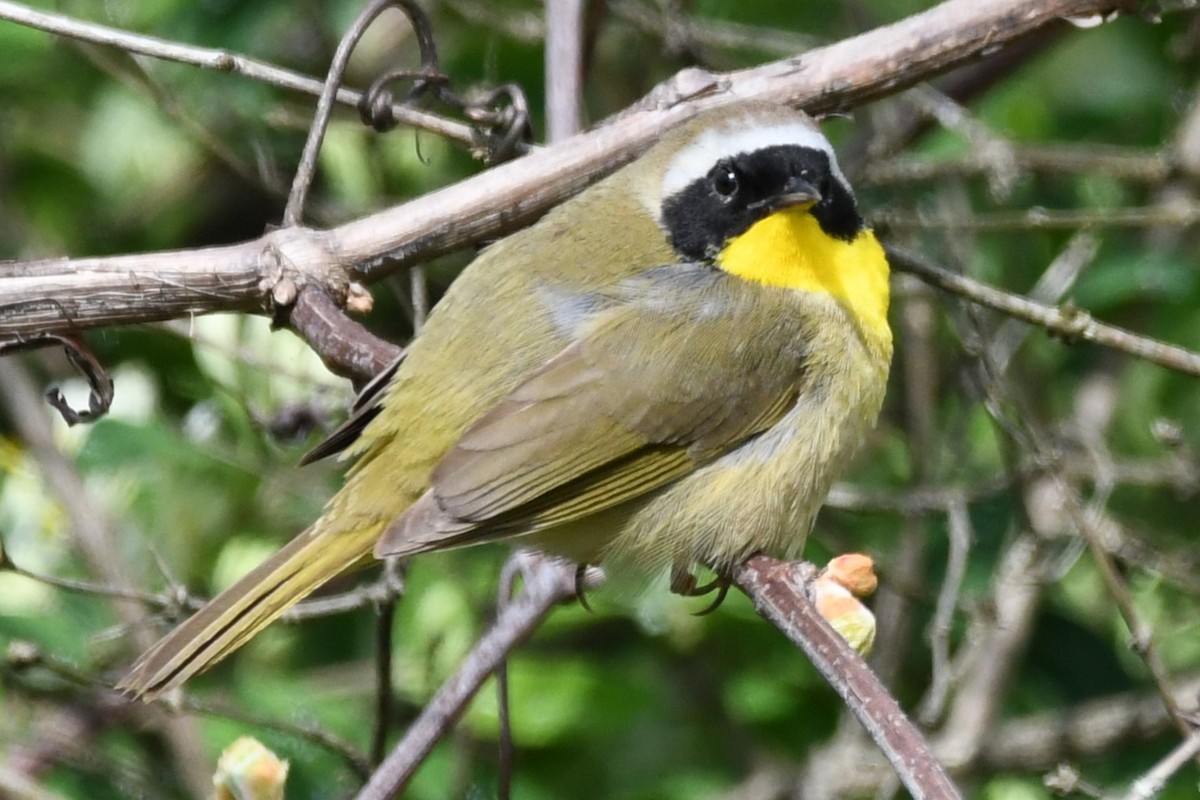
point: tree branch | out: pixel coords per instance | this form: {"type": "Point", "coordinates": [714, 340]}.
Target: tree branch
{"type": "Point", "coordinates": [220, 60]}
{"type": "Point", "coordinates": [779, 592]}
{"type": "Point", "coordinates": [1068, 322]}
{"type": "Point", "coordinates": [547, 582]}
{"type": "Point", "coordinates": [77, 294]}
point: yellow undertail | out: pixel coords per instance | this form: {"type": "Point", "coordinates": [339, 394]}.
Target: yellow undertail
{"type": "Point", "coordinates": [244, 609]}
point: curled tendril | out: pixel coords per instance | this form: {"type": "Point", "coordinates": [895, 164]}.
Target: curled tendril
{"type": "Point", "coordinates": [377, 105]}
{"type": "Point", "coordinates": [501, 114]}
{"type": "Point", "coordinates": [100, 383]}
{"type": "Point", "coordinates": [504, 112]}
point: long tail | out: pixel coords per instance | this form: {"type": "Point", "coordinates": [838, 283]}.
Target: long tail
{"type": "Point", "coordinates": [245, 608]}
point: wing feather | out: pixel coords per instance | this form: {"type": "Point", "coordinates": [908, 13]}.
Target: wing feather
{"type": "Point", "coordinates": [640, 399]}
{"type": "Point", "coordinates": [366, 407]}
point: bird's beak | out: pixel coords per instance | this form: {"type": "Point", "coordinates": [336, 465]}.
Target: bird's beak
{"type": "Point", "coordinates": [796, 192]}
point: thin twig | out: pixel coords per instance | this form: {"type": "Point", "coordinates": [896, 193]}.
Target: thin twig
{"type": "Point", "coordinates": [1066, 781]}
{"type": "Point", "coordinates": [307, 167]}
{"type": "Point", "coordinates": [23, 656]}
{"type": "Point", "coordinates": [220, 60]}
{"type": "Point", "coordinates": [919, 365]}
{"type": "Point", "coordinates": [1142, 636]}
{"type": "Point", "coordinates": [136, 74]}
{"type": "Point", "coordinates": [779, 591]}
{"type": "Point", "coordinates": [24, 787]}
{"type": "Point", "coordinates": [526, 25]}
{"type": "Point", "coordinates": [93, 533]}
{"type": "Point", "coordinates": [681, 33]}
{"type": "Point", "coordinates": [1153, 782]}
{"type": "Point", "coordinates": [508, 582]}
{"type": "Point", "coordinates": [159, 600]}
{"type": "Point", "coordinates": [393, 581]}
{"type": "Point", "coordinates": [383, 680]}
{"type": "Point", "coordinates": [993, 149]}
{"type": "Point", "coordinates": [358, 763]}
{"type": "Point", "coordinates": [1056, 280]}
{"type": "Point", "coordinates": [958, 523]}
{"type": "Point", "coordinates": [1034, 742]}
{"type": "Point", "coordinates": [178, 598]}
{"type": "Point", "coordinates": [1178, 472]}
{"type": "Point", "coordinates": [1123, 163]}
{"type": "Point", "coordinates": [1167, 214]}
{"type": "Point", "coordinates": [547, 582]}
{"type": "Point", "coordinates": [564, 68]}
{"type": "Point", "coordinates": [1088, 730]}
{"type": "Point", "coordinates": [898, 130]}
{"type": "Point", "coordinates": [995, 641]}
{"type": "Point", "coordinates": [1067, 322]}
{"type": "Point", "coordinates": [1022, 426]}
{"type": "Point", "coordinates": [418, 288]}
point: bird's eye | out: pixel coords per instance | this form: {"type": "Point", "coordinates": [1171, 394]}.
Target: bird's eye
{"type": "Point", "coordinates": [725, 181]}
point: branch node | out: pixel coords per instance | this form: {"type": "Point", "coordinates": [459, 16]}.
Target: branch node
{"type": "Point", "coordinates": [1075, 322]}
{"type": "Point", "coordinates": [293, 258]}
{"type": "Point", "coordinates": [689, 83]}
{"type": "Point", "coordinates": [284, 292]}
{"type": "Point", "coordinates": [22, 654]}
{"type": "Point", "coordinates": [358, 299]}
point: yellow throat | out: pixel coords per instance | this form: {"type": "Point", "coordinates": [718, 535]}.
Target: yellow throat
{"type": "Point", "coordinates": [788, 249]}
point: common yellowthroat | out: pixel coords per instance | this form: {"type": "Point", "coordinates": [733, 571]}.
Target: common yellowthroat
{"type": "Point", "coordinates": [670, 368]}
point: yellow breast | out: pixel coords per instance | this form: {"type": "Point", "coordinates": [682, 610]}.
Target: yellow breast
{"type": "Point", "coordinates": [788, 249]}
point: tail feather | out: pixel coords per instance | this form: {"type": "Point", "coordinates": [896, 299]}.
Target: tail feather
{"type": "Point", "coordinates": [229, 620]}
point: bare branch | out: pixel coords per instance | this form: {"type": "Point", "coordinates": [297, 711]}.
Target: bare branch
{"type": "Point", "coordinates": [995, 643]}
{"type": "Point", "coordinates": [1068, 322]}
{"type": "Point", "coordinates": [221, 60]}
{"type": "Point", "coordinates": [1023, 428]}
{"type": "Point", "coordinates": [779, 591]}
{"type": "Point", "coordinates": [1124, 163]}
{"type": "Point", "coordinates": [1088, 730]}
{"type": "Point", "coordinates": [344, 750]}
{"type": "Point", "coordinates": [1034, 742]}
{"type": "Point", "coordinates": [958, 523]}
{"type": "Point", "coordinates": [919, 364]}
{"type": "Point", "coordinates": [345, 346]}
{"type": "Point", "coordinates": [547, 582]}
{"type": "Point", "coordinates": [62, 295]}
{"type": "Point", "coordinates": [306, 170]}
{"type": "Point", "coordinates": [1055, 282]}
{"type": "Point", "coordinates": [16, 785]}
{"type": "Point", "coordinates": [1167, 214]}
{"type": "Point", "coordinates": [393, 580]}
{"type": "Point", "coordinates": [564, 68]}
{"type": "Point", "coordinates": [1153, 782]}
{"type": "Point", "coordinates": [681, 33]}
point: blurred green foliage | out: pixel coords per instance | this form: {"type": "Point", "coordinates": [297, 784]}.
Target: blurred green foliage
{"type": "Point", "coordinates": [103, 154]}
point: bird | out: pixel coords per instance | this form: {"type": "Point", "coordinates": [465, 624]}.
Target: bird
{"type": "Point", "coordinates": [669, 369]}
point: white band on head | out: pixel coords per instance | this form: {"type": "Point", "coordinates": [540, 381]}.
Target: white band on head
{"type": "Point", "coordinates": [698, 157]}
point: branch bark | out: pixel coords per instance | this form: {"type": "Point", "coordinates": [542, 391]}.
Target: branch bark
{"type": "Point", "coordinates": [779, 592]}
{"type": "Point", "coordinates": [547, 583]}
{"type": "Point", "coordinates": [1068, 322]}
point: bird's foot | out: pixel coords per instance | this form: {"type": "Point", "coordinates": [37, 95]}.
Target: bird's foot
{"type": "Point", "coordinates": [683, 583]}
{"type": "Point", "coordinates": [581, 587]}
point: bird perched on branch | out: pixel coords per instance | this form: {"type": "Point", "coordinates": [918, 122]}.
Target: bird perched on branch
{"type": "Point", "coordinates": [669, 369]}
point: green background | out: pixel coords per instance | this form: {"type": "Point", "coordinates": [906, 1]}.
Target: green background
{"type": "Point", "coordinates": [101, 155]}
